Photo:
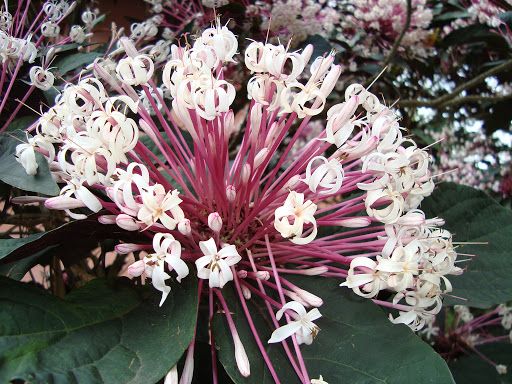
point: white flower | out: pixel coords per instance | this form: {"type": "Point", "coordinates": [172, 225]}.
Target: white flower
{"type": "Point", "coordinates": [155, 205]}
{"type": "Point", "coordinates": [167, 251]}
{"type": "Point", "coordinates": [41, 78]}
{"type": "Point", "coordinates": [501, 369]}
{"type": "Point", "coordinates": [302, 213]}
{"type": "Point", "coordinates": [328, 175]}
{"type": "Point", "coordinates": [303, 328]}
{"type": "Point", "coordinates": [135, 70]}
{"type": "Point", "coordinates": [215, 266]}
{"type": "Point", "coordinates": [369, 282]}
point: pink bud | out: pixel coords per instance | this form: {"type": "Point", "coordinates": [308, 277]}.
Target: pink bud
{"type": "Point", "coordinates": [127, 222]}
{"type": "Point", "coordinates": [107, 219]}
{"type": "Point", "coordinates": [172, 376]}
{"type": "Point", "coordinates": [215, 222]}
{"type": "Point", "coordinates": [188, 370]}
{"type": "Point", "coordinates": [354, 222]}
{"type": "Point", "coordinates": [184, 227]}
{"type": "Point", "coordinates": [28, 199]}
{"type": "Point", "coordinates": [136, 269]}
{"type": "Point", "coordinates": [263, 275]}
{"type": "Point", "coordinates": [308, 297]}
{"type": "Point", "coordinates": [242, 273]}
{"type": "Point", "coordinates": [315, 271]}
{"type": "Point", "coordinates": [242, 361]}
{"type": "Point", "coordinates": [231, 193]}
{"type": "Point", "coordinates": [246, 292]}
{"type": "Point", "coordinates": [292, 182]}
{"type": "Point", "coordinates": [260, 157]}
{"type": "Point", "coordinates": [63, 202]}
{"type": "Point", "coordinates": [125, 248]}
{"type": "Point", "coordinates": [246, 173]}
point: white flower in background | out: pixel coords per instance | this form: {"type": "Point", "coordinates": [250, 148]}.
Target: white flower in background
{"type": "Point", "coordinates": [302, 327]}
{"type": "Point", "coordinates": [301, 213]}
{"type": "Point", "coordinates": [320, 380]}
{"type": "Point", "coordinates": [216, 265]}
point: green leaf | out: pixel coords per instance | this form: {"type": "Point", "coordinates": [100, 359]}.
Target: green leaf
{"type": "Point", "coordinates": [101, 333]}
{"type": "Point", "coordinates": [473, 369]}
{"type": "Point", "coordinates": [77, 60]}
{"type": "Point", "coordinates": [357, 344]}
{"type": "Point", "coordinates": [13, 173]}
{"type": "Point", "coordinates": [7, 246]}
{"type": "Point", "coordinates": [472, 216]}
{"type": "Point", "coordinates": [21, 123]}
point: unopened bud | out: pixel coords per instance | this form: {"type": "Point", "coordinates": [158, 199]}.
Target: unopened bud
{"type": "Point", "coordinates": [313, 271]}
{"type": "Point", "coordinates": [246, 173]}
{"type": "Point", "coordinates": [125, 248]}
{"type": "Point", "coordinates": [260, 157]}
{"type": "Point", "coordinates": [231, 193]}
{"type": "Point", "coordinates": [107, 219]}
{"type": "Point", "coordinates": [246, 292]}
{"type": "Point", "coordinates": [263, 275]}
{"type": "Point", "coordinates": [184, 227]}
{"type": "Point", "coordinates": [136, 269]}
{"type": "Point", "coordinates": [292, 182]}
{"type": "Point", "coordinates": [28, 199]}
{"type": "Point", "coordinates": [127, 222]}
{"type": "Point", "coordinates": [354, 222]}
{"type": "Point", "coordinates": [188, 370]}
{"type": "Point", "coordinates": [215, 222]}
{"type": "Point", "coordinates": [63, 202]}
{"type": "Point", "coordinates": [242, 274]}
{"type": "Point", "coordinates": [308, 297]}
{"type": "Point", "coordinates": [172, 376]}
{"type": "Point", "coordinates": [242, 361]}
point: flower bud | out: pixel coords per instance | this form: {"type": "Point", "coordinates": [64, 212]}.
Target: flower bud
{"type": "Point", "coordinates": [28, 199]}
{"type": "Point", "coordinates": [242, 273]}
{"type": "Point", "coordinates": [125, 248]}
{"type": "Point", "coordinates": [242, 361]}
{"type": "Point", "coordinates": [172, 376]}
{"type": "Point", "coordinates": [136, 269]}
{"type": "Point", "coordinates": [246, 173]}
{"type": "Point", "coordinates": [292, 182]}
{"type": "Point", "coordinates": [63, 202]}
{"type": "Point", "coordinates": [308, 297]}
{"type": "Point", "coordinates": [127, 222]}
{"type": "Point", "coordinates": [246, 292]}
{"type": "Point", "coordinates": [215, 222]}
{"type": "Point", "coordinates": [230, 193]}
{"type": "Point", "coordinates": [263, 275]}
{"type": "Point", "coordinates": [188, 369]}
{"type": "Point", "coordinates": [184, 227]}
{"type": "Point", "coordinates": [107, 219]}
{"type": "Point", "coordinates": [354, 222]}
{"type": "Point", "coordinates": [260, 157]}
{"type": "Point", "coordinates": [313, 271]}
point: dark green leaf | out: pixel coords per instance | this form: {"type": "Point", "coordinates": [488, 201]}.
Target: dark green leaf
{"type": "Point", "coordinates": [101, 333]}
{"type": "Point", "coordinates": [77, 60]}
{"type": "Point", "coordinates": [13, 173]}
{"type": "Point", "coordinates": [357, 344]}
{"type": "Point", "coordinates": [21, 123]}
{"type": "Point", "coordinates": [472, 216]}
{"type": "Point", "coordinates": [474, 370]}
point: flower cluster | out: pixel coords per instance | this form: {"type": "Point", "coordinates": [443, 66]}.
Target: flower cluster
{"type": "Point", "coordinates": [469, 331]}
{"type": "Point", "coordinates": [296, 19]}
{"type": "Point", "coordinates": [381, 22]}
{"type": "Point", "coordinates": [162, 166]}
